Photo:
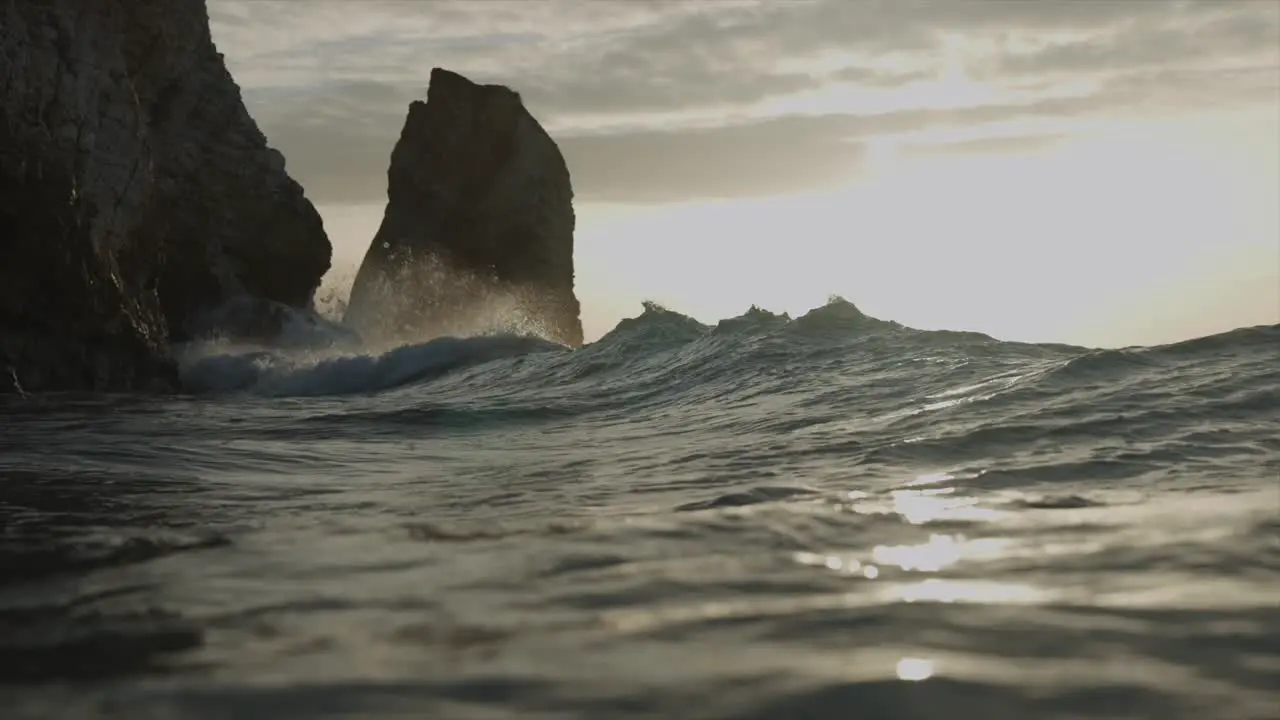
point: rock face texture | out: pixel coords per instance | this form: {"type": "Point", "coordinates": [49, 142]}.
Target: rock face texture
{"type": "Point", "coordinates": [136, 194]}
{"type": "Point", "coordinates": [479, 224]}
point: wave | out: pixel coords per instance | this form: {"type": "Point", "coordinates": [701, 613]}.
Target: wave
{"type": "Point", "coordinates": [1262, 336]}
{"type": "Point", "coordinates": [656, 326]}
{"type": "Point", "coordinates": [307, 373]}
{"type": "Point", "coordinates": [315, 355]}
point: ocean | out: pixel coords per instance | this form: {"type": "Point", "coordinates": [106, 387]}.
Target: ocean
{"type": "Point", "coordinates": [831, 516]}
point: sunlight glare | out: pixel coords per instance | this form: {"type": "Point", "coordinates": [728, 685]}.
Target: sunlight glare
{"type": "Point", "coordinates": [931, 479]}
{"type": "Point", "coordinates": [982, 592]}
{"type": "Point", "coordinates": [840, 563]}
{"type": "Point", "coordinates": [920, 507]}
{"type": "Point", "coordinates": [914, 669]}
{"type": "Point", "coordinates": [1087, 239]}
{"type": "Point", "coordinates": [940, 552]}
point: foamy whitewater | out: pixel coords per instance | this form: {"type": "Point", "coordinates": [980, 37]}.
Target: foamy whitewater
{"type": "Point", "coordinates": [826, 517]}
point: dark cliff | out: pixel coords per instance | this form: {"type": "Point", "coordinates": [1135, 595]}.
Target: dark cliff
{"type": "Point", "coordinates": [479, 221]}
{"type": "Point", "coordinates": [136, 193]}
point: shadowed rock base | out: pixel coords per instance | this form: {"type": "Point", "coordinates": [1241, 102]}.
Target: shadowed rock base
{"type": "Point", "coordinates": [136, 193]}
{"type": "Point", "coordinates": [478, 230]}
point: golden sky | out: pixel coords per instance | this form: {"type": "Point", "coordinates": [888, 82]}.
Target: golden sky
{"type": "Point", "coordinates": [1102, 173]}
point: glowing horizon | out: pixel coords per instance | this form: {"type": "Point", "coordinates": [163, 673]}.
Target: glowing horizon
{"type": "Point", "coordinates": [1216, 215]}
{"type": "Point", "coordinates": [1101, 175]}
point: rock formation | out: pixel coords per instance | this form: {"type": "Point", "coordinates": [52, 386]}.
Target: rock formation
{"type": "Point", "coordinates": [479, 222]}
{"type": "Point", "coordinates": [136, 193]}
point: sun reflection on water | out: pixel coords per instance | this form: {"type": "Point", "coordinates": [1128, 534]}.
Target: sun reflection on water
{"type": "Point", "coordinates": [919, 507]}
{"type": "Point", "coordinates": [940, 552]}
{"type": "Point", "coordinates": [963, 591]}
{"type": "Point", "coordinates": [914, 669]}
{"type": "Point", "coordinates": [927, 499]}
{"type": "Point", "coordinates": [931, 479]}
{"type": "Point", "coordinates": [924, 499]}
{"type": "Point", "coordinates": [833, 561]}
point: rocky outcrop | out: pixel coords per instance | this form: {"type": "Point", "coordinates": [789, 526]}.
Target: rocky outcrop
{"type": "Point", "coordinates": [478, 228]}
{"type": "Point", "coordinates": [136, 193]}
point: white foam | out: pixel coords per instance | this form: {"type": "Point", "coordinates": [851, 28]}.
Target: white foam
{"type": "Point", "coordinates": [302, 372]}
{"type": "Point", "coordinates": [315, 355]}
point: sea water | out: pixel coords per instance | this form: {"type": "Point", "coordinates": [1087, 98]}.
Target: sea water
{"type": "Point", "coordinates": [825, 517]}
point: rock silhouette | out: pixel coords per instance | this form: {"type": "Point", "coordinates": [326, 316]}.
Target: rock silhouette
{"type": "Point", "coordinates": [136, 194]}
{"type": "Point", "coordinates": [478, 227]}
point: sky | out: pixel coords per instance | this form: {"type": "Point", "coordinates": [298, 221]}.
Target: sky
{"type": "Point", "coordinates": [1098, 172]}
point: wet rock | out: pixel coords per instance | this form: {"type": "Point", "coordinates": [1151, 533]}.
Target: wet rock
{"type": "Point", "coordinates": [478, 228]}
{"type": "Point", "coordinates": [135, 193]}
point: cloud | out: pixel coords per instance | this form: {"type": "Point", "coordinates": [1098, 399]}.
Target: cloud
{"type": "Point", "coordinates": [657, 100]}
{"type": "Point", "coordinates": [986, 146]}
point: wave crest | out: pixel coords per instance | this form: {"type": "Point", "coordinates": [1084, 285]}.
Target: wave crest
{"type": "Point", "coordinates": [303, 373]}
{"type": "Point", "coordinates": [312, 354]}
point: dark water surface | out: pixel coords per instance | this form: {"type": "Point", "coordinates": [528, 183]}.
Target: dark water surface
{"type": "Point", "coordinates": [833, 517]}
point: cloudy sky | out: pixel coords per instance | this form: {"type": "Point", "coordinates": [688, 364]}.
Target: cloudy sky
{"type": "Point", "coordinates": [1093, 171]}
